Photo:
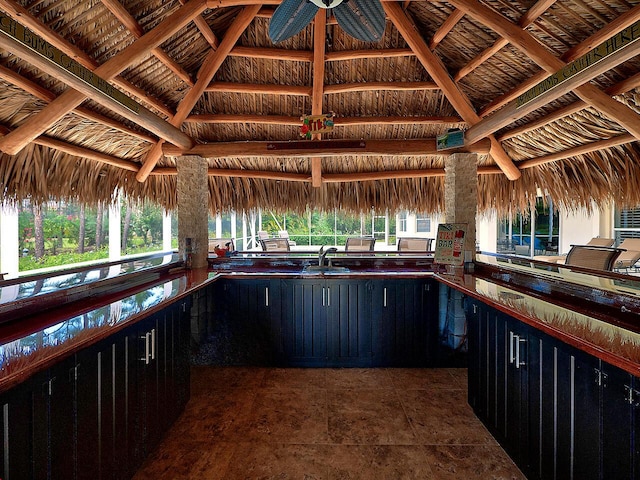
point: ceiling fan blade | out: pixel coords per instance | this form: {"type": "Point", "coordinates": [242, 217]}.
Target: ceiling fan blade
{"type": "Point", "coordinates": [290, 17]}
{"type": "Point", "coordinates": [362, 19]}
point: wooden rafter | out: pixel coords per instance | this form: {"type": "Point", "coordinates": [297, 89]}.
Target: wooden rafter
{"type": "Point", "coordinates": [436, 70]}
{"type": "Point", "coordinates": [48, 96]}
{"type": "Point", "coordinates": [448, 25]}
{"type": "Point", "coordinates": [617, 89]}
{"type": "Point", "coordinates": [221, 118]}
{"type": "Point", "coordinates": [619, 112]}
{"type": "Point", "coordinates": [272, 54]}
{"type": "Point", "coordinates": [24, 17]}
{"type": "Point", "coordinates": [205, 29]}
{"type": "Point", "coordinates": [36, 124]}
{"type": "Point", "coordinates": [256, 88]}
{"type": "Point", "coordinates": [364, 54]}
{"type": "Point", "coordinates": [130, 23]}
{"type": "Point", "coordinates": [319, 41]}
{"type": "Point", "coordinates": [623, 21]}
{"type": "Point", "coordinates": [142, 117]}
{"type": "Point", "coordinates": [527, 19]}
{"type": "Point", "coordinates": [208, 69]}
{"type": "Point", "coordinates": [323, 148]}
{"type": "Point", "coordinates": [579, 150]}
{"type": "Point", "coordinates": [376, 86]}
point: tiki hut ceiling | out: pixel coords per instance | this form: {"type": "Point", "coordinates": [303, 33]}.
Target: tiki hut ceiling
{"type": "Point", "coordinates": [206, 80]}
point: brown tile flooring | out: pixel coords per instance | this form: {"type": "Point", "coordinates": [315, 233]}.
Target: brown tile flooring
{"type": "Point", "coordinates": [262, 423]}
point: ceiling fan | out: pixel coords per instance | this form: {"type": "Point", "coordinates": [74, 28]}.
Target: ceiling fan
{"type": "Point", "coordinates": [362, 19]}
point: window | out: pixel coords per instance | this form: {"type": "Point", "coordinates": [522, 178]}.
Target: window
{"type": "Point", "coordinates": [402, 222]}
{"type": "Point", "coordinates": [627, 223]}
{"type": "Point", "coordinates": [540, 227]}
{"type": "Point", "coordinates": [423, 224]}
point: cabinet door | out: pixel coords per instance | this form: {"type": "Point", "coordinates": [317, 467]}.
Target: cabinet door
{"type": "Point", "coordinates": [618, 400]}
{"type": "Point", "coordinates": [304, 322]}
{"type": "Point", "coordinates": [60, 401]}
{"type": "Point", "coordinates": [400, 327]}
{"type": "Point", "coordinates": [472, 312]}
{"type": "Point", "coordinates": [24, 449]}
{"type": "Point", "coordinates": [349, 322]}
{"type": "Point", "coordinates": [88, 396]}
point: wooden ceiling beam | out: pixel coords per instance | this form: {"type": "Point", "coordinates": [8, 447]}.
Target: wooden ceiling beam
{"type": "Point", "coordinates": [130, 23]}
{"type": "Point", "coordinates": [446, 27]}
{"type": "Point", "coordinates": [38, 123]}
{"type": "Point", "coordinates": [512, 111]}
{"type": "Point", "coordinates": [615, 110]}
{"type": "Point", "coordinates": [142, 117]}
{"type": "Point", "coordinates": [48, 96]}
{"type": "Point", "coordinates": [272, 54]}
{"type": "Point", "coordinates": [527, 19]}
{"type": "Point", "coordinates": [221, 118]}
{"type": "Point", "coordinates": [256, 88]}
{"type": "Point", "coordinates": [323, 148]}
{"type": "Point", "coordinates": [24, 17]}
{"type": "Point", "coordinates": [620, 23]}
{"type": "Point", "coordinates": [365, 54]}
{"type": "Point", "coordinates": [373, 86]}
{"type": "Point", "coordinates": [617, 89]}
{"type": "Point", "coordinates": [209, 67]}
{"type": "Point", "coordinates": [317, 98]}
{"type": "Point", "coordinates": [579, 150]}
{"type": "Point", "coordinates": [452, 92]}
{"type": "Point", "coordinates": [205, 29]}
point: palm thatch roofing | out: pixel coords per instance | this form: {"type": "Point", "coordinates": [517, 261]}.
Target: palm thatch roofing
{"type": "Point", "coordinates": [211, 83]}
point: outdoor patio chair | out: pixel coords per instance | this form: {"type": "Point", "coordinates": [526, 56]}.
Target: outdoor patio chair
{"type": "Point", "coordinates": [595, 258]}
{"type": "Point", "coordinates": [275, 245]}
{"type": "Point", "coordinates": [414, 244]}
{"type": "Point", "coordinates": [630, 256]}
{"type": "Point", "coordinates": [263, 235]}
{"type": "Point", "coordinates": [359, 244]}
{"type": "Point", "coordinates": [600, 242]}
{"type": "Point", "coordinates": [285, 234]}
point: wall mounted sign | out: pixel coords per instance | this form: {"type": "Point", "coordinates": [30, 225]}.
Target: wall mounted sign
{"type": "Point", "coordinates": [13, 29]}
{"type": "Point", "coordinates": [452, 139]}
{"type": "Point", "coordinates": [312, 124]}
{"type": "Point", "coordinates": [623, 39]}
{"type": "Point", "coordinates": [450, 243]}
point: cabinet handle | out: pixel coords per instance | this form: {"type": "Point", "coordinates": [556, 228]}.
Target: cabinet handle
{"type": "Point", "coordinates": [328, 296]}
{"type": "Point", "coordinates": [153, 344]}
{"type": "Point", "coordinates": [145, 359]}
{"type": "Point", "coordinates": [511, 349]}
{"type": "Point", "coordinates": [475, 308]}
{"type": "Point", "coordinates": [266, 296]}
{"type": "Point", "coordinates": [384, 297]}
{"type": "Point", "coordinates": [323, 297]}
{"type": "Point", "coordinates": [519, 341]}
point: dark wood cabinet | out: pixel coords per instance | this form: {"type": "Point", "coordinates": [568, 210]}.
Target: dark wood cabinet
{"type": "Point", "coordinates": [559, 412]}
{"type": "Point", "coordinates": [97, 413]}
{"type": "Point", "coordinates": [404, 322]}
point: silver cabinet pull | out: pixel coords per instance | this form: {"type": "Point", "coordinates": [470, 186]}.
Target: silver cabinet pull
{"type": "Point", "coordinates": [153, 344]}
{"type": "Point", "coordinates": [384, 297]}
{"type": "Point", "coordinates": [511, 349]}
{"type": "Point", "coordinates": [323, 297]}
{"type": "Point", "coordinates": [328, 296]}
{"type": "Point", "coordinates": [145, 337]}
{"type": "Point", "coordinates": [266, 296]}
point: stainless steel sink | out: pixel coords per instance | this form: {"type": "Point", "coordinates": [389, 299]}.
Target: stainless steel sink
{"type": "Point", "coordinates": [324, 269]}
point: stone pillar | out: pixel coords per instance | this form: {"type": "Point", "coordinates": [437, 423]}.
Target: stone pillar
{"type": "Point", "coordinates": [461, 194]}
{"type": "Point", "coordinates": [193, 207]}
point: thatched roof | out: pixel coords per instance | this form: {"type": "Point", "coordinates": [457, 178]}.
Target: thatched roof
{"type": "Point", "coordinates": [207, 73]}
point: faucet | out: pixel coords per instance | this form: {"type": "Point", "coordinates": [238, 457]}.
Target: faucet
{"type": "Point", "coordinates": [323, 254]}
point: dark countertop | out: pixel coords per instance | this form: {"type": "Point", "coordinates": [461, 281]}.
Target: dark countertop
{"type": "Point", "coordinates": [556, 300]}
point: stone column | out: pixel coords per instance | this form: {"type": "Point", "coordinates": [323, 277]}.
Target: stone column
{"type": "Point", "coordinates": [461, 194]}
{"type": "Point", "coordinates": [193, 207]}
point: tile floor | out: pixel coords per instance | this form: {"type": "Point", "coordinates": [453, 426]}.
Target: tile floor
{"type": "Point", "coordinates": [312, 424]}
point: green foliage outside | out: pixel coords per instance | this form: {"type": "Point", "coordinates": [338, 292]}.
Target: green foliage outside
{"type": "Point", "coordinates": [61, 224]}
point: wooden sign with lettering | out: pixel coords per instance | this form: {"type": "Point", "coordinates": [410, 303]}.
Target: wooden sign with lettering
{"type": "Point", "coordinates": [312, 124]}
{"type": "Point", "coordinates": [450, 243]}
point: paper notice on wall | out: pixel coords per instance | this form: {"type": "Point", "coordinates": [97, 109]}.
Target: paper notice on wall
{"type": "Point", "coordinates": [450, 243]}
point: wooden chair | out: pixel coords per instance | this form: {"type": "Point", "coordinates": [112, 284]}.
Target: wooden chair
{"type": "Point", "coordinates": [359, 244]}
{"type": "Point", "coordinates": [595, 258]}
{"type": "Point", "coordinates": [414, 244]}
{"type": "Point", "coordinates": [275, 245]}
